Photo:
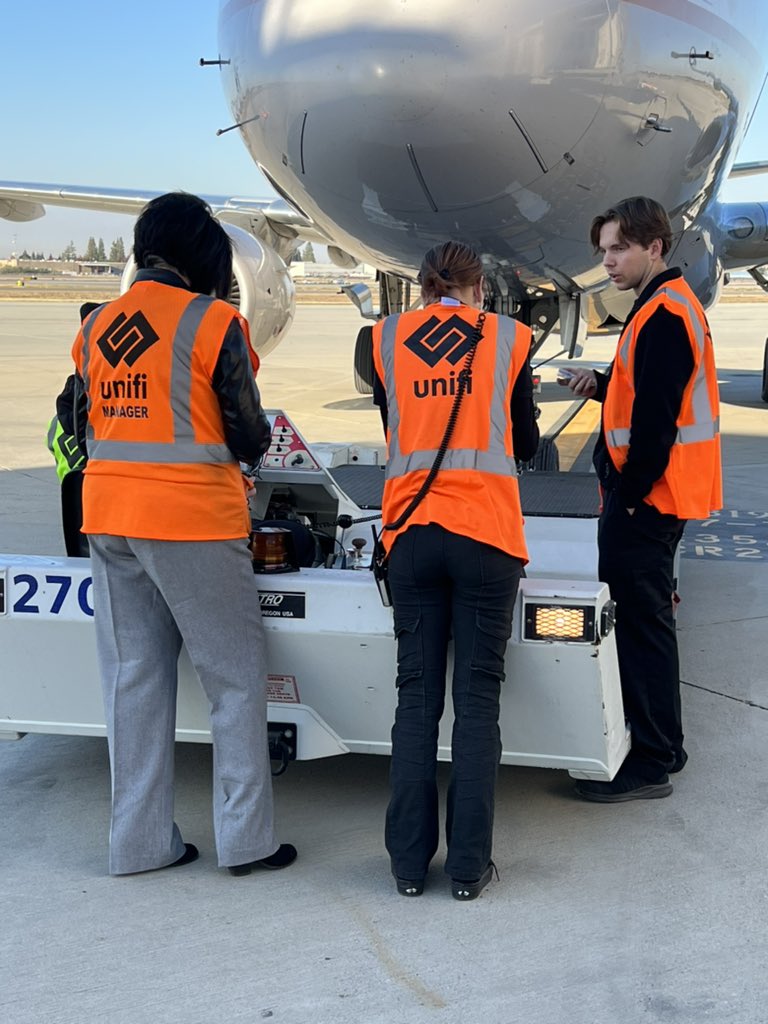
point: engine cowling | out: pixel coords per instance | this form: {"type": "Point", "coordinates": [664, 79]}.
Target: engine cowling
{"type": "Point", "coordinates": [262, 289]}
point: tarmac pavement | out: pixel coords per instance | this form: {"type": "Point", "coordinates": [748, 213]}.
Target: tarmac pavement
{"type": "Point", "coordinates": [641, 912]}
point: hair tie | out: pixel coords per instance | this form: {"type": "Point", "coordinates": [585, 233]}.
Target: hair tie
{"type": "Point", "coordinates": [445, 274]}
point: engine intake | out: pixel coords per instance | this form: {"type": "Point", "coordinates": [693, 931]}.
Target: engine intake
{"type": "Point", "coordinates": [262, 289]}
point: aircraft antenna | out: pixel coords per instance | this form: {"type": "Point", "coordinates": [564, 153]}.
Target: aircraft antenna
{"type": "Point", "coordinates": [223, 131]}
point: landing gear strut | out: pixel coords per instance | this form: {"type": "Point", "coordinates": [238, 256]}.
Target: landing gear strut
{"type": "Point", "coordinates": [364, 361]}
{"type": "Point", "coordinates": [760, 277]}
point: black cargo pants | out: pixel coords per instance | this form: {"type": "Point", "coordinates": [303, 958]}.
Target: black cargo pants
{"type": "Point", "coordinates": [636, 560]}
{"type": "Point", "coordinates": [444, 584]}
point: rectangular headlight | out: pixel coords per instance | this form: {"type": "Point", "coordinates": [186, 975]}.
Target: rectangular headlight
{"type": "Point", "coordinates": [566, 622]}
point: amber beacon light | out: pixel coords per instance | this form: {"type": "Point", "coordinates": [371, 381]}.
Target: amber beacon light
{"type": "Point", "coordinates": [269, 547]}
{"type": "Point", "coordinates": [566, 623]}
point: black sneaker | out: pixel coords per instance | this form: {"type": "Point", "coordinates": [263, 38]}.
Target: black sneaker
{"type": "Point", "coordinates": [623, 789]}
{"type": "Point", "coordinates": [281, 858]}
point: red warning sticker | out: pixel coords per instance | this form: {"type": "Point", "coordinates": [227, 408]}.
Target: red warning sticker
{"type": "Point", "coordinates": [282, 690]}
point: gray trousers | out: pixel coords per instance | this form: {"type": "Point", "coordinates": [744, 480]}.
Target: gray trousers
{"type": "Point", "coordinates": [149, 595]}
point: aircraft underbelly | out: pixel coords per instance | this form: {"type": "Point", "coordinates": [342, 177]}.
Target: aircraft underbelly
{"type": "Point", "coordinates": [393, 127]}
{"type": "Point", "coordinates": [403, 128]}
{"type": "Point", "coordinates": [390, 186]}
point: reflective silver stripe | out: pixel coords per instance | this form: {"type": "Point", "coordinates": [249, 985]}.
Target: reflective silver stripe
{"type": "Point", "coordinates": [706, 425]}
{"type": "Point", "coordinates": [617, 437]}
{"type": "Point", "coordinates": [624, 347]}
{"type": "Point", "coordinates": [702, 410]}
{"type": "Point", "coordinates": [388, 332]}
{"type": "Point", "coordinates": [506, 332]}
{"type": "Point", "coordinates": [181, 370]}
{"type": "Point", "coordinates": [455, 458]}
{"type": "Point", "coordinates": [698, 432]}
{"type": "Point", "coordinates": [184, 448]}
{"type": "Point", "coordinates": [87, 329]}
{"type": "Point", "coordinates": [148, 451]}
{"type": "Point", "coordinates": [685, 435]}
{"type": "Point", "coordinates": [495, 460]}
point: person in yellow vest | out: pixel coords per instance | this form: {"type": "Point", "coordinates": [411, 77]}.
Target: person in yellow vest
{"type": "Point", "coordinates": [456, 553]}
{"type": "Point", "coordinates": [70, 463]}
{"type": "Point", "coordinates": [658, 462]}
{"type": "Point", "coordinates": [172, 408]}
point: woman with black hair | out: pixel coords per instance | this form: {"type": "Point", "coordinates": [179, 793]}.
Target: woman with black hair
{"type": "Point", "coordinates": [172, 408]}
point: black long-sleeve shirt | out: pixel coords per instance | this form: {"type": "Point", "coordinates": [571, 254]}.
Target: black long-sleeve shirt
{"type": "Point", "coordinates": [246, 427]}
{"type": "Point", "coordinates": [663, 366]}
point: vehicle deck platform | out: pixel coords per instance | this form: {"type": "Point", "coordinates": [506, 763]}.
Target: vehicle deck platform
{"type": "Point", "coordinates": [572, 495]}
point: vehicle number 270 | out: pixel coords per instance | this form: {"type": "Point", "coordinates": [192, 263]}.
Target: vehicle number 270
{"type": "Point", "coordinates": [48, 595]}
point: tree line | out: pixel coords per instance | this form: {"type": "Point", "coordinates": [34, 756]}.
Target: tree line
{"type": "Point", "coordinates": [95, 252]}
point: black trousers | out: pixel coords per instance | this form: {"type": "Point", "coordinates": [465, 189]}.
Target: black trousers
{"type": "Point", "coordinates": [75, 542]}
{"type": "Point", "coordinates": [636, 560]}
{"type": "Point", "coordinates": [443, 583]}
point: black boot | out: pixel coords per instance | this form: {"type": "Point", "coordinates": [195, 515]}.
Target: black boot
{"type": "Point", "coordinates": [464, 891]}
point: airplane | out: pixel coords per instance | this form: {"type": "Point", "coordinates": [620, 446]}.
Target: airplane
{"type": "Point", "coordinates": [387, 128]}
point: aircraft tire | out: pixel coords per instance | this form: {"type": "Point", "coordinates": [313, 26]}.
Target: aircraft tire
{"type": "Point", "coordinates": [364, 361]}
{"type": "Point", "coordinates": [764, 392]}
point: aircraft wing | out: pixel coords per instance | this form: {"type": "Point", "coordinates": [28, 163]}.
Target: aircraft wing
{"type": "Point", "coordinates": [273, 221]}
{"type": "Point", "coordinates": [744, 170]}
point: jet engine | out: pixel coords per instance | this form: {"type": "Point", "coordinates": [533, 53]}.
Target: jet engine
{"type": "Point", "coordinates": [262, 289]}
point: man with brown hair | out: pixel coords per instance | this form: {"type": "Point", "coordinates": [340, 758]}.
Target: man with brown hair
{"type": "Point", "coordinates": [658, 462]}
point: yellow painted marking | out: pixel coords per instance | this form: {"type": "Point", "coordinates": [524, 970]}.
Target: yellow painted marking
{"type": "Point", "coordinates": [571, 440]}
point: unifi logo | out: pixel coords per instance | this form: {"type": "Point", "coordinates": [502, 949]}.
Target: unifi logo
{"type": "Point", "coordinates": [440, 387]}
{"type": "Point", "coordinates": [441, 339]}
{"type": "Point", "coordinates": [126, 339]}
{"type": "Point", "coordinates": [133, 385]}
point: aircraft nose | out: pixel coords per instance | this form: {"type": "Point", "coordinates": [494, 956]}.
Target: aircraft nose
{"type": "Point", "coordinates": [471, 139]}
{"type": "Point", "coordinates": [378, 120]}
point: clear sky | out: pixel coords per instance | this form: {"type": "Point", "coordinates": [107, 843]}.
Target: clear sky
{"type": "Point", "coordinates": [107, 92]}
{"type": "Point", "coordinates": [104, 92]}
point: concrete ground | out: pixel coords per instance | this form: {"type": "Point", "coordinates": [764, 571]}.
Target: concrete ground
{"type": "Point", "coordinates": [639, 913]}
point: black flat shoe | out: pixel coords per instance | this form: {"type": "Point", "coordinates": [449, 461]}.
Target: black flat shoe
{"type": "Point", "coordinates": [464, 891]}
{"type": "Point", "coordinates": [281, 858]}
{"type": "Point", "coordinates": [191, 853]}
{"type": "Point", "coordinates": [409, 887]}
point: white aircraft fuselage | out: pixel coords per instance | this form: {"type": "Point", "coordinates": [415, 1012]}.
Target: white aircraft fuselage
{"type": "Point", "coordinates": [509, 124]}
{"type": "Point", "coordinates": [506, 123]}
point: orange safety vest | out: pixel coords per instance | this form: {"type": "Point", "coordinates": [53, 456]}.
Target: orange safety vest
{"type": "Point", "coordinates": [691, 485]}
{"type": "Point", "coordinates": [418, 356]}
{"type": "Point", "coordinates": [158, 465]}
